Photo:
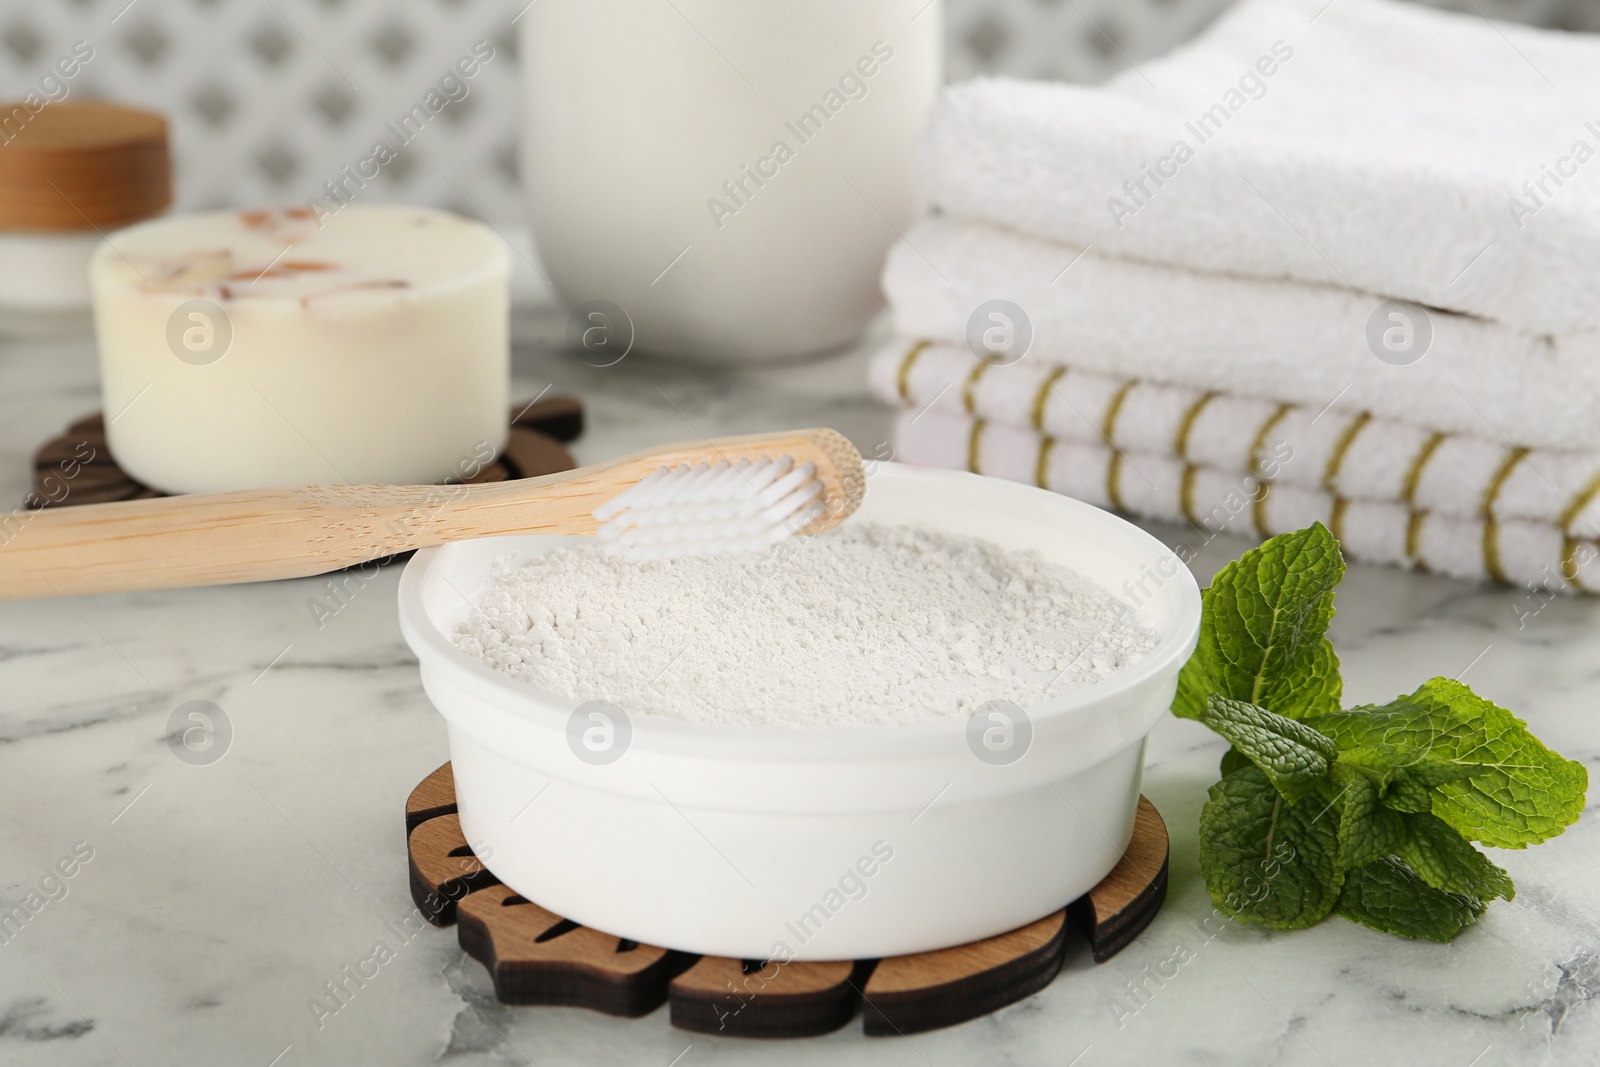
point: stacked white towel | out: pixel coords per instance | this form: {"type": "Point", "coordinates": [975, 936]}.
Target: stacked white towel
{"type": "Point", "coordinates": [1392, 492]}
{"type": "Point", "coordinates": [1370, 144]}
{"type": "Point", "coordinates": [1282, 340]}
{"type": "Point", "coordinates": [1198, 247]}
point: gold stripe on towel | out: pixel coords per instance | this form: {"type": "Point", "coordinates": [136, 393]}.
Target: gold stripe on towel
{"type": "Point", "coordinates": [1330, 474]}
{"type": "Point", "coordinates": [1186, 494]}
{"type": "Point", "coordinates": [904, 378]}
{"type": "Point", "coordinates": [1261, 437]}
{"type": "Point", "coordinates": [1491, 528]}
{"type": "Point", "coordinates": [1113, 476]}
{"type": "Point", "coordinates": [1180, 443]}
{"type": "Point", "coordinates": [967, 399]}
{"type": "Point", "coordinates": [1336, 520]}
{"type": "Point", "coordinates": [1108, 430]}
{"type": "Point", "coordinates": [1108, 424]}
{"type": "Point", "coordinates": [1570, 567]}
{"type": "Point", "coordinates": [1414, 474]}
{"type": "Point", "coordinates": [1584, 498]}
{"type": "Point", "coordinates": [974, 439]}
{"type": "Point", "coordinates": [1258, 509]}
{"type": "Point", "coordinates": [1041, 400]}
{"type": "Point", "coordinates": [1414, 538]}
{"type": "Point", "coordinates": [1491, 552]}
{"type": "Point", "coordinates": [1570, 545]}
{"type": "Point", "coordinates": [1041, 468]}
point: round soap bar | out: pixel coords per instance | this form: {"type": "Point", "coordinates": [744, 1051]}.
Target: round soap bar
{"type": "Point", "coordinates": [247, 349]}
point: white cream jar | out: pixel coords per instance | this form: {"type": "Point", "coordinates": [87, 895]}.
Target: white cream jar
{"type": "Point", "coordinates": [244, 349]}
{"type": "Point", "coordinates": [728, 174]}
{"type": "Point", "coordinates": [69, 172]}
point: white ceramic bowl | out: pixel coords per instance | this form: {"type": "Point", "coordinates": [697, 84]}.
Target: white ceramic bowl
{"type": "Point", "coordinates": [841, 844]}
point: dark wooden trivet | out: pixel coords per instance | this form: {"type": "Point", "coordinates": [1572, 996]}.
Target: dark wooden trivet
{"type": "Point", "coordinates": [77, 468]}
{"type": "Point", "coordinates": [536, 957]}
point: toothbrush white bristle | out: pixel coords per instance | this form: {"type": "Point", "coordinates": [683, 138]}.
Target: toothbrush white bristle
{"type": "Point", "coordinates": [709, 509]}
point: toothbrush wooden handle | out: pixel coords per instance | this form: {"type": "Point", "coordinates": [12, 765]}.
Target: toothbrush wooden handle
{"type": "Point", "coordinates": [259, 535]}
{"type": "Point", "coordinates": [263, 534]}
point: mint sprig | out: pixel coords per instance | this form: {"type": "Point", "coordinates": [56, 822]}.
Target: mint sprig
{"type": "Point", "coordinates": [1294, 757]}
{"type": "Point", "coordinates": [1263, 631]}
{"type": "Point", "coordinates": [1369, 812]}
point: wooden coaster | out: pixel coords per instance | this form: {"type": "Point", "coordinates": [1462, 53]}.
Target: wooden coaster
{"type": "Point", "coordinates": [1117, 910]}
{"type": "Point", "coordinates": [77, 468]}
{"type": "Point", "coordinates": [765, 998]}
{"type": "Point", "coordinates": [537, 957]}
{"type": "Point", "coordinates": [444, 869]}
{"type": "Point", "coordinates": [907, 994]}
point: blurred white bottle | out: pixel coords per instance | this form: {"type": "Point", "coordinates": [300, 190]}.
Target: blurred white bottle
{"type": "Point", "coordinates": [727, 173]}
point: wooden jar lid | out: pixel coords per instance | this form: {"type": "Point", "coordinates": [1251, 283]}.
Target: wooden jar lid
{"type": "Point", "coordinates": [77, 165]}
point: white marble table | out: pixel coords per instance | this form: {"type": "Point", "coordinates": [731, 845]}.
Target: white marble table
{"type": "Point", "coordinates": [219, 899]}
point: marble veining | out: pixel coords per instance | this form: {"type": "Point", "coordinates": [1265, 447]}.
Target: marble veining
{"type": "Point", "coordinates": [220, 899]}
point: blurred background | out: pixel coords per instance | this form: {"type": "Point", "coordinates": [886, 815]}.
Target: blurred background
{"type": "Point", "coordinates": [269, 98]}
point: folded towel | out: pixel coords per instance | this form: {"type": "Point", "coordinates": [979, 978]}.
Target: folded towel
{"type": "Point", "coordinates": [1354, 457]}
{"type": "Point", "coordinates": [1212, 502]}
{"type": "Point", "coordinates": [1279, 340]}
{"type": "Point", "coordinates": [1435, 157]}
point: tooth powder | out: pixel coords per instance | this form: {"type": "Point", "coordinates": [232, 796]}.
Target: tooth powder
{"type": "Point", "coordinates": [868, 625]}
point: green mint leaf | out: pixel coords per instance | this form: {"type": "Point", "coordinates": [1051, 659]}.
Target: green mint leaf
{"type": "Point", "coordinates": [1406, 782]}
{"type": "Point", "coordinates": [1431, 773]}
{"type": "Point", "coordinates": [1411, 788]}
{"type": "Point", "coordinates": [1375, 764]}
{"type": "Point", "coordinates": [1367, 829]}
{"type": "Point", "coordinates": [1195, 683]}
{"type": "Point", "coordinates": [1407, 793]}
{"type": "Point", "coordinates": [1446, 860]}
{"type": "Point", "coordinates": [1388, 896]}
{"type": "Point", "coordinates": [1264, 859]}
{"type": "Point", "coordinates": [1233, 760]}
{"type": "Point", "coordinates": [1512, 790]}
{"type": "Point", "coordinates": [1389, 762]}
{"type": "Point", "coordinates": [1294, 756]}
{"type": "Point", "coordinates": [1262, 630]}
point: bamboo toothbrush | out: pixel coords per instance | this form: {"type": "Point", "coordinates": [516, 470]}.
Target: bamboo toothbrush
{"type": "Point", "coordinates": [691, 498]}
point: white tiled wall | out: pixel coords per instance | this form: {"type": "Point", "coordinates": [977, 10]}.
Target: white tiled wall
{"type": "Point", "coordinates": [268, 98]}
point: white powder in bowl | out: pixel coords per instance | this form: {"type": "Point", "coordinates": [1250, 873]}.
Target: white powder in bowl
{"type": "Point", "coordinates": [867, 625]}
